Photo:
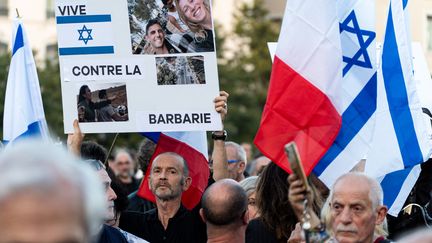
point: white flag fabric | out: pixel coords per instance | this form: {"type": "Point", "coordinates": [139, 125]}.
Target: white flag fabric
{"type": "Point", "coordinates": [23, 109]}
{"type": "Point", "coordinates": [401, 139]}
{"type": "Point", "coordinates": [358, 96]}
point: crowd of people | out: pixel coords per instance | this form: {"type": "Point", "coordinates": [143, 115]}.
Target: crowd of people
{"type": "Point", "coordinates": [50, 194]}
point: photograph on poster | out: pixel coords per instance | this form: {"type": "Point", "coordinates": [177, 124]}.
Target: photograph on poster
{"type": "Point", "coordinates": [179, 70]}
{"type": "Point", "coordinates": [102, 103]}
{"type": "Point", "coordinates": [170, 26]}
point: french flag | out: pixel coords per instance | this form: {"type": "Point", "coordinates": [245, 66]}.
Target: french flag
{"type": "Point", "coordinates": [302, 102]}
{"type": "Point", "coordinates": [192, 146]}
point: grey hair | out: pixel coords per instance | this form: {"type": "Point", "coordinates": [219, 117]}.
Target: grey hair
{"type": "Point", "coordinates": [380, 229]}
{"type": "Point", "coordinates": [376, 194]}
{"type": "Point", "coordinates": [249, 184]}
{"type": "Point", "coordinates": [33, 164]}
{"type": "Point", "coordinates": [123, 151]}
{"type": "Point", "coordinates": [241, 153]}
{"type": "Point", "coordinates": [180, 158]}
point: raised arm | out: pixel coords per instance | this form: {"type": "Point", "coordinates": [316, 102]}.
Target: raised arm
{"type": "Point", "coordinates": [220, 164]}
{"type": "Point", "coordinates": [75, 140]}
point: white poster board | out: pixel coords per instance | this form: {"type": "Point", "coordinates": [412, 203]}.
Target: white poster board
{"type": "Point", "coordinates": [130, 66]}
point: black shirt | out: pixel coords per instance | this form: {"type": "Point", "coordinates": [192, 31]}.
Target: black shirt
{"type": "Point", "coordinates": [138, 204]}
{"type": "Point", "coordinates": [257, 232]}
{"type": "Point", "coordinates": [185, 226]}
{"type": "Point", "coordinates": [131, 187]}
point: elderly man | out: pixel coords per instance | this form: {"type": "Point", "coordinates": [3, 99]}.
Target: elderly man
{"type": "Point", "coordinates": [236, 157]}
{"type": "Point", "coordinates": [356, 207]}
{"type": "Point", "coordinates": [47, 196]}
{"type": "Point", "coordinates": [224, 206]}
{"type": "Point", "coordinates": [155, 36]}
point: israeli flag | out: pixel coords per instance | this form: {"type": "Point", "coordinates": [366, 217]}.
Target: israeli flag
{"type": "Point", "coordinates": [401, 138]}
{"type": "Point", "coordinates": [23, 109]}
{"type": "Point", "coordinates": [357, 33]}
{"type": "Point", "coordinates": [85, 34]}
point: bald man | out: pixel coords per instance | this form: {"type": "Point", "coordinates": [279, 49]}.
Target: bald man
{"type": "Point", "coordinates": [224, 206]}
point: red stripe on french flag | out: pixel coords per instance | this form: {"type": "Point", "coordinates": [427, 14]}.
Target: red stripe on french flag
{"type": "Point", "coordinates": [198, 170]}
{"type": "Point", "coordinates": [297, 111]}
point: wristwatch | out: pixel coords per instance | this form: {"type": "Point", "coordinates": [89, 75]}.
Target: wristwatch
{"type": "Point", "coordinates": [219, 135]}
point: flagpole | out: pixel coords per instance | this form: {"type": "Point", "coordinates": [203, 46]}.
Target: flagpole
{"type": "Point", "coordinates": [110, 150]}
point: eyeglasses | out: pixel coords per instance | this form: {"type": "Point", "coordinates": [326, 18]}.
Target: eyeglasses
{"type": "Point", "coordinates": [95, 164]}
{"type": "Point", "coordinates": [230, 161]}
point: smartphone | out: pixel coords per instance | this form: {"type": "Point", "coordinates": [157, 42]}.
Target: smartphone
{"type": "Point", "coordinates": [295, 163]}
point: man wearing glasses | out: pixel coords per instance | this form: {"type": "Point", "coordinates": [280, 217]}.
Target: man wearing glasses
{"type": "Point", "coordinates": [236, 157]}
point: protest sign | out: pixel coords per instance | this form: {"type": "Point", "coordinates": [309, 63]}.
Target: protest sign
{"type": "Point", "coordinates": [137, 66]}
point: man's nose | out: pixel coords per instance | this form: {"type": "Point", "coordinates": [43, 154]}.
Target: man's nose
{"type": "Point", "coordinates": [163, 175]}
{"type": "Point", "coordinates": [346, 216]}
{"type": "Point", "coordinates": [111, 194]}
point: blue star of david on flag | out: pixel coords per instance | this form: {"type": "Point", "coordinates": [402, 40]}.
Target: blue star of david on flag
{"type": "Point", "coordinates": [364, 37]}
{"type": "Point", "coordinates": [88, 31]}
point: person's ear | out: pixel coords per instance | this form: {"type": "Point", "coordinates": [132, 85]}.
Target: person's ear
{"type": "Point", "coordinates": [187, 183]}
{"type": "Point", "coordinates": [381, 214]}
{"type": "Point", "coordinates": [241, 166]}
{"type": "Point", "coordinates": [245, 217]}
{"type": "Point", "coordinates": [201, 213]}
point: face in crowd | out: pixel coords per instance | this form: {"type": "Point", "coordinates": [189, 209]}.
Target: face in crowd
{"type": "Point", "coordinates": [109, 193]}
{"type": "Point", "coordinates": [124, 165]}
{"type": "Point", "coordinates": [252, 207]}
{"type": "Point", "coordinates": [236, 166]}
{"type": "Point", "coordinates": [353, 213]}
{"type": "Point", "coordinates": [31, 216]}
{"type": "Point", "coordinates": [155, 36]}
{"type": "Point", "coordinates": [194, 10]}
{"type": "Point", "coordinates": [168, 177]}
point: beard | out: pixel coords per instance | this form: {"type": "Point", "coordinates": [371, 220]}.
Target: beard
{"type": "Point", "coordinates": [169, 192]}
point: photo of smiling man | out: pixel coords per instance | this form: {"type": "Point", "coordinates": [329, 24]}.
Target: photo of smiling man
{"type": "Point", "coordinates": [155, 36]}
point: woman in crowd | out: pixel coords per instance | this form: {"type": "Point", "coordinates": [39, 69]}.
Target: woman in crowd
{"type": "Point", "coordinates": [197, 16]}
{"type": "Point", "coordinates": [249, 185]}
{"type": "Point", "coordinates": [277, 219]}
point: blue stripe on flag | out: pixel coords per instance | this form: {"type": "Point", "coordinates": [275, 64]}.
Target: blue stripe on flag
{"type": "Point", "coordinates": [398, 100]}
{"type": "Point", "coordinates": [33, 130]}
{"type": "Point", "coordinates": [83, 19]}
{"type": "Point", "coordinates": [19, 40]}
{"type": "Point", "coordinates": [353, 119]}
{"type": "Point", "coordinates": [86, 50]}
{"type": "Point", "coordinates": [392, 184]}
{"type": "Point", "coordinates": [153, 136]}
{"type": "Point", "coordinates": [405, 3]}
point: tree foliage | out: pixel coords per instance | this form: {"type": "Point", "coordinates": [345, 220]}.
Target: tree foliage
{"type": "Point", "coordinates": [246, 75]}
